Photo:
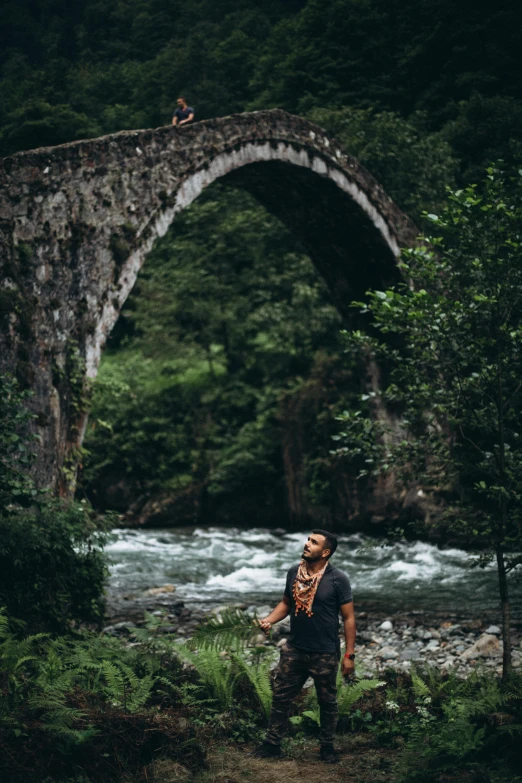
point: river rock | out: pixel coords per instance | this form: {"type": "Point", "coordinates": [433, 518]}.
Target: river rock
{"type": "Point", "coordinates": [410, 654]}
{"type": "Point", "coordinates": [450, 661]}
{"type": "Point", "coordinates": [493, 629]}
{"type": "Point", "coordinates": [451, 632]}
{"type": "Point", "coordinates": [263, 611]}
{"type": "Point", "coordinates": [126, 626]}
{"type": "Point", "coordinates": [486, 646]}
{"type": "Point", "coordinates": [160, 590]}
{"type": "Point", "coordinates": [387, 625]}
{"type": "Point", "coordinates": [168, 629]}
{"type": "Point", "coordinates": [388, 653]}
{"type": "Point", "coordinates": [260, 640]}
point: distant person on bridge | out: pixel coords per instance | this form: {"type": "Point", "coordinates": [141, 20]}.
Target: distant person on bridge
{"type": "Point", "coordinates": [183, 113]}
{"type": "Point", "coordinates": [315, 594]}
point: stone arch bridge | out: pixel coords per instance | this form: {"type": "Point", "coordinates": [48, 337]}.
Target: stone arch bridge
{"type": "Point", "coordinates": [77, 221]}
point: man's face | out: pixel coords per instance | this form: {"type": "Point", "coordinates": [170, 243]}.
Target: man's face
{"type": "Point", "coordinates": [315, 548]}
{"type": "Point", "coordinates": [181, 103]}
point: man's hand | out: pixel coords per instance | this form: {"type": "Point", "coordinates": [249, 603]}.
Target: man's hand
{"type": "Point", "coordinates": [347, 667]}
{"type": "Point", "coordinates": [275, 615]}
{"type": "Point", "coordinates": [265, 625]}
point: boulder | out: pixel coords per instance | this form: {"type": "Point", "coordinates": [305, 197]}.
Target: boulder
{"type": "Point", "coordinates": [160, 590]}
{"type": "Point", "coordinates": [486, 646]}
{"type": "Point", "coordinates": [493, 629]}
{"type": "Point", "coordinates": [387, 625]}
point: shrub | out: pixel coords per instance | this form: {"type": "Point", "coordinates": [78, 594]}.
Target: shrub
{"type": "Point", "coordinates": [52, 567]}
{"type": "Point", "coordinates": [89, 705]}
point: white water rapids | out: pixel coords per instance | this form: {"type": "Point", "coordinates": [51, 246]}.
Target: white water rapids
{"type": "Point", "coordinates": [214, 566]}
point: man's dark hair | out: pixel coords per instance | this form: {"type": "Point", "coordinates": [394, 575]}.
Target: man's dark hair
{"type": "Point", "coordinates": [331, 541]}
{"type": "Point", "coordinates": [182, 98]}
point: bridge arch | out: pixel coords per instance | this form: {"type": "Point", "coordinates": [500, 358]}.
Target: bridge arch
{"type": "Point", "coordinates": [77, 222]}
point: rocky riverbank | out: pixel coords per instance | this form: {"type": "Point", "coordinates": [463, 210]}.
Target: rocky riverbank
{"type": "Point", "coordinates": [394, 641]}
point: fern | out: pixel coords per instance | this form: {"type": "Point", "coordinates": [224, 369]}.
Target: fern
{"type": "Point", "coordinates": [258, 675]}
{"type": "Point", "coordinates": [420, 688]}
{"type": "Point", "coordinates": [232, 627]}
{"type": "Point", "coordinates": [428, 682]}
{"type": "Point", "coordinates": [347, 696]}
{"type": "Point", "coordinates": [214, 671]}
{"type": "Point", "coordinates": [124, 688]}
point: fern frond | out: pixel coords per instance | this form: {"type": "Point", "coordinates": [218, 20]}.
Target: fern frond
{"type": "Point", "coordinates": [258, 675]}
{"type": "Point", "coordinates": [214, 671]}
{"type": "Point", "coordinates": [232, 627]}
{"type": "Point", "coordinates": [513, 729]}
{"type": "Point", "coordinates": [350, 693]}
{"type": "Point", "coordinates": [420, 688]}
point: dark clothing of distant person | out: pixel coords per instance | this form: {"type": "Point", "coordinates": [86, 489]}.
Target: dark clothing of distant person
{"type": "Point", "coordinates": [183, 114]}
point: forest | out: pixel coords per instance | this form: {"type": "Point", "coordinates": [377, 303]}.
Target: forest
{"type": "Point", "coordinates": [229, 393]}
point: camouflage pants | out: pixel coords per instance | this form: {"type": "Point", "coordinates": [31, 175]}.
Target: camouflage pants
{"type": "Point", "coordinates": [294, 668]}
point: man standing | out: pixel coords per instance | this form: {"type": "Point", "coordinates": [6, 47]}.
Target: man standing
{"type": "Point", "coordinates": [315, 593]}
{"type": "Point", "coordinates": [183, 113]}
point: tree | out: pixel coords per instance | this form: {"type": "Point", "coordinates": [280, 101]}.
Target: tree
{"type": "Point", "coordinates": [413, 165]}
{"type": "Point", "coordinates": [452, 340]}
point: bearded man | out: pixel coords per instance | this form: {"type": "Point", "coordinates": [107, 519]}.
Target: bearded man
{"type": "Point", "coordinates": [316, 592]}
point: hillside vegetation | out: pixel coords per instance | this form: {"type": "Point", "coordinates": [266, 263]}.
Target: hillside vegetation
{"type": "Point", "coordinates": [218, 393]}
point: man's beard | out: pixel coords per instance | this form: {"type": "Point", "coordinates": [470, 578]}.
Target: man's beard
{"type": "Point", "coordinates": [310, 558]}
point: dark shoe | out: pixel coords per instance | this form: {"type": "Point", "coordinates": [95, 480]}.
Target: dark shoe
{"type": "Point", "coordinates": [267, 751]}
{"type": "Point", "coordinates": [328, 754]}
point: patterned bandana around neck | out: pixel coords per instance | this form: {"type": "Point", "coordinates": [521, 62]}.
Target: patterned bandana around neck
{"type": "Point", "coordinates": [305, 587]}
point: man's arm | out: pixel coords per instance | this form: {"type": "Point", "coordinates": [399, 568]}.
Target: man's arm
{"type": "Point", "coordinates": [281, 611]}
{"type": "Point", "coordinates": [174, 120]}
{"type": "Point", "coordinates": [189, 119]}
{"type": "Point", "coordinates": [348, 616]}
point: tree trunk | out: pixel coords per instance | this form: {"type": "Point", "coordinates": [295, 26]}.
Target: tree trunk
{"type": "Point", "coordinates": [506, 614]}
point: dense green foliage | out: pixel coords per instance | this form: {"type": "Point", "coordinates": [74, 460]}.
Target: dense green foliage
{"type": "Point", "coordinates": [94, 67]}
{"type": "Point", "coordinates": [198, 399]}
{"type": "Point", "coordinates": [87, 705]}
{"type": "Point", "coordinates": [218, 393]}
{"type": "Point", "coordinates": [52, 568]}
{"type": "Point", "coordinates": [228, 328]}
{"type": "Point", "coordinates": [452, 339]}
{"type": "Point", "coordinates": [100, 708]}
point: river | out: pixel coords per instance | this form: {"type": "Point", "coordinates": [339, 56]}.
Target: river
{"type": "Point", "coordinates": [213, 566]}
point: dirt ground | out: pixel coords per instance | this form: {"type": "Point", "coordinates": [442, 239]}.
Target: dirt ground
{"type": "Point", "coordinates": [361, 762]}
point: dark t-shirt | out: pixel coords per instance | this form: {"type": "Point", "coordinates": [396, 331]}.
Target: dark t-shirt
{"type": "Point", "coordinates": [320, 632]}
{"type": "Point", "coordinates": [183, 114]}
